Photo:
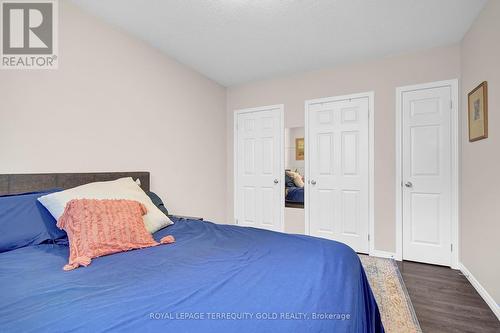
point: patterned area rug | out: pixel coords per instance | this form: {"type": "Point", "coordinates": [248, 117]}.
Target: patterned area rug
{"type": "Point", "coordinates": [394, 303]}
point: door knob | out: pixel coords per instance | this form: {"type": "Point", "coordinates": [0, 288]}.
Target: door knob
{"type": "Point", "coordinates": [276, 181]}
{"type": "Point", "coordinates": [409, 184]}
{"type": "Point", "coordinates": [313, 182]}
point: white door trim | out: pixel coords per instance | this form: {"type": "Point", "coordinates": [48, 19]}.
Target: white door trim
{"type": "Point", "coordinates": [371, 161]}
{"type": "Point", "coordinates": [281, 108]}
{"type": "Point", "coordinates": [455, 165]}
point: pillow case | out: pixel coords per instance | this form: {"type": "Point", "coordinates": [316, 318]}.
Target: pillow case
{"type": "Point", "coordinates": [297, 178]}
{"type": "Point", "coordinates": [99, 227]}
{"type": "Point", "coordinates": [123, 188]}
{"type": "Point", "coordinates": [157, 202]}
{"type": "Point", "coordinates": [24, 221]}
{"type": "Point", "coordinates": [289, 181]}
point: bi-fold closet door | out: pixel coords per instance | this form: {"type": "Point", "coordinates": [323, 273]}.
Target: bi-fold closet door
{"type": "Point", "coordinates": [259, 170]}
{"type": "Point", "coordinates": [337, 159]}
{"type": "Point", "coordinates": [338, 169]}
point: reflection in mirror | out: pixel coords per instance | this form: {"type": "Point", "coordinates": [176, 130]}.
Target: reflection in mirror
{"type": "Point", "coordinates": [294, 167]}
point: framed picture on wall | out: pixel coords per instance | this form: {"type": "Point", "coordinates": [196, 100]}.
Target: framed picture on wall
{"type": "Point", "coordinates": [299, 149]}
{"type": "Point", "coordinates": [478, 112]}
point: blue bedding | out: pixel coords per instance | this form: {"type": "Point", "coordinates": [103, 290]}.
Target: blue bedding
{"type": "Point", "coordinates": [295, 195]}
{"type": "Point", "coordinates": [215, 278]}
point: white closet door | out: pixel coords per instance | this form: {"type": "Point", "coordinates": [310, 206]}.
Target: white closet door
{"type": "Point", "coordinates": [338, 159]}
{"type": "Point", "coordinates": [426, 152]}
{"type": "Point", "coordinates": [259, 197]}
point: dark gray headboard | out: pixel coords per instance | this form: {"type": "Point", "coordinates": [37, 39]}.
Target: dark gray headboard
{"type": "Point", "coordinates": [21, 183]}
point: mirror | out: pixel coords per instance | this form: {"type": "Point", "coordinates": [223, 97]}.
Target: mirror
{"type": "Point", "coordinates": [294, 167]}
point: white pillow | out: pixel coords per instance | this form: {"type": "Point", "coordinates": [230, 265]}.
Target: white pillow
{"type": "Point", "coordinates": [296, 177]}
{"type": "Point", "coordinates": [123, 188]}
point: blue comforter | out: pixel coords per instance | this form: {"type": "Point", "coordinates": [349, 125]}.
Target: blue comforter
{"type": "Point", "coordinates": [215, 278]}
{"type": "Point", "coordinates": [295, 195]}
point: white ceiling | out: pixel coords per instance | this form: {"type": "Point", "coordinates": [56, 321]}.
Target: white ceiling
{"type": "Point", "coordinates": [236, 41]}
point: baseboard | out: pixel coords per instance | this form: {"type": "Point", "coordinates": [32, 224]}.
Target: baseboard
{"type": "Point", "coordinates": [382, 254]}
{"type": "Point", "coordinates": [480, 289]}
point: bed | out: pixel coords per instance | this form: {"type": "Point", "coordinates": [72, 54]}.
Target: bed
{"type": "Point", "coordinates": [215, 278]}
{"type": "Point", "coordinates": [295, 195]}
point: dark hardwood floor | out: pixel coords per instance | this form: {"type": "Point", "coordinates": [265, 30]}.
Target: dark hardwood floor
{"type": "Point", "coordinates": [445, 301]}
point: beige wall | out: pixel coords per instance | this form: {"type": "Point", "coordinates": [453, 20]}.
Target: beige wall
{"type": "Point", "coordinates": [480, 215]}
{"type": "Point", "coordinates": [116, 104]}
{"type": "Point", "coordinates": [381, 76]}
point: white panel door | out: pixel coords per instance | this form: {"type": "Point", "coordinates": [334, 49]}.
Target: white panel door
{"type": "Point", "coordinates": [426, 175]}
{"type": "Point", "coordinates": [259, 197]}
{"type": "Point", "coordinates": [338, 185]}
